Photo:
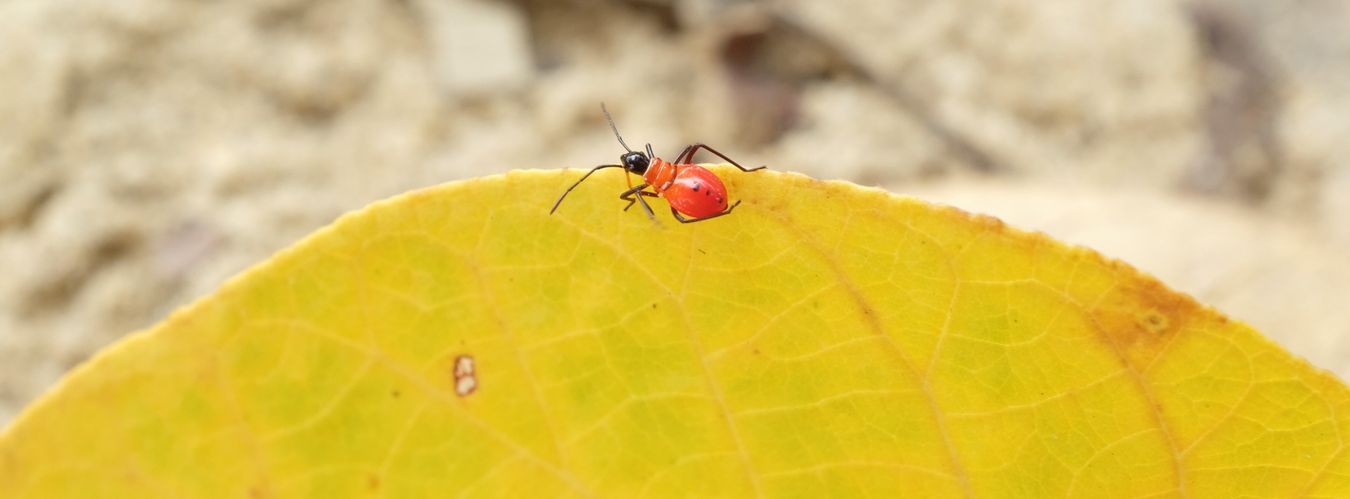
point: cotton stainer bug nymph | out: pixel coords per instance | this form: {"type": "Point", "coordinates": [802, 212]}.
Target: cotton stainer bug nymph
{"type": "Point", "coordinates": [692, 190]}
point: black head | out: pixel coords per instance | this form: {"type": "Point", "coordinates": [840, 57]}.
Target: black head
{"type": "Point", "coordinates": [635, 162]}
{"type": "Point", "coordinates": [632, 161]}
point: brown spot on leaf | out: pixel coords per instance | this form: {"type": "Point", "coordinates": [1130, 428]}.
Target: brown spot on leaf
{"type": "Point", "coordinates": [259, 491]}
{"type": "Point", "coordinates": [1141, 316]}
{"type": "Point", "coordinates": [1153, 321]}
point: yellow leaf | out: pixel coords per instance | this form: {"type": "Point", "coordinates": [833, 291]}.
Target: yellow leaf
{"type": "Point", "coordinates": [823, 341]}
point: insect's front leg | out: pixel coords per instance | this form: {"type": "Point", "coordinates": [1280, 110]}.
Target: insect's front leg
{"type": "Point", "coordinates": [635, 195]}
{"type": "Point", "coordinates": [632, 200]}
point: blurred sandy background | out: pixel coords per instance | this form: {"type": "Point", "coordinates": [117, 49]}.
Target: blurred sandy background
{"type": "Point", "coordinates": [149, 149]}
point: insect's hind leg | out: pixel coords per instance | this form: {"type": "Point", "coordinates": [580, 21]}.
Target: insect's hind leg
{"type": "Point", "coordinates": [709, 217]}
{"type": "Point", "coordinates": [688, 155]}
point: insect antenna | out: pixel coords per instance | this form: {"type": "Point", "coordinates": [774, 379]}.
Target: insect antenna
{"type": "Point", "coordinates": [615, 128]}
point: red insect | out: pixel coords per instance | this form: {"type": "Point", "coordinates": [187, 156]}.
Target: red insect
{"type": "Point", "coordinates": [690, 189]}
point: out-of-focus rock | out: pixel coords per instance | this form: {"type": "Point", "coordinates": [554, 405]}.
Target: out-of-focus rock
{"type": "Point", "coordinates": [1057, 88]}
{"type": "Point", "coordinates": [1309, 44]}
{"type": "Point", "coordinates": [1243, 156]}
{"type": "Point", "coordinates": [120, 123]}
{"type": "Point", "coordinates": [478, 47]}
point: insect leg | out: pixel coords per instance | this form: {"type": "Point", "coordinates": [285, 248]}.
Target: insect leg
{"type": "Point", "coordinates": [628, 195]}
{"type": "Point", "coordinates": [643, 201]}
{"type": "Point", "coordinates": [574, 186]}
{"type": "Point", "coordinates": [644, 193]}
{"type": "Point", "coordinates": [686, 155]}
{"type": "Point", "coordinates": [689, 152]}
{"type": "Point", "coordinates": [635, 194]}
{"type": "Point", "coordinates": [709, 217]}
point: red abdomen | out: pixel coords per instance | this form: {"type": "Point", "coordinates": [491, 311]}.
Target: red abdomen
{"type": "Point", "coordinates": [696, 192]}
